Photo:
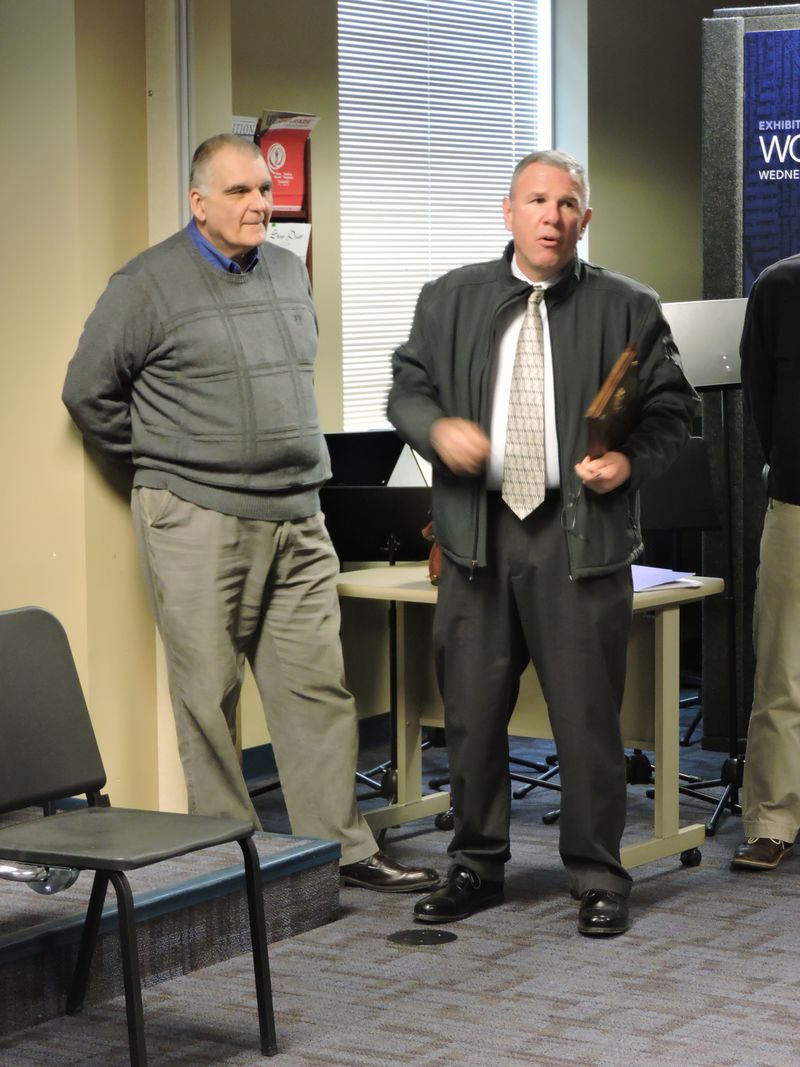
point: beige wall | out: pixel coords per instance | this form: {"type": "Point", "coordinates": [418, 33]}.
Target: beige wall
{"type": "Point", "coordinates": [210, 69]}
{"type": "Point", "coordinates": [76, 172]}
{"type": "Point", "coordinates": [112, 212]}
{"type": "Point", "coordinates": [41, 533]}
{"type": "Point", "coordinates": [285, 58]}
{"type": "Point", "coordinates": [88, 179]}
{"type": "Point", "coordinates": [644, 93]}
{"type": "Point", "coordinates": [73, 179]}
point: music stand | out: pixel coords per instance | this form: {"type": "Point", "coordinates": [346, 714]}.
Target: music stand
{"type": "Point", "coordinates": [707, 333]}
{"type": "Point", "coordinates": [363, 457]}
{"type": "Point", "coordinates": [368, 520]}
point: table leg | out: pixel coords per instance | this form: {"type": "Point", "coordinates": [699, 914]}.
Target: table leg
{"type": "Point", "coordinates": [668, 839]}
{"type": "Point", "coordinates": [410, 804]}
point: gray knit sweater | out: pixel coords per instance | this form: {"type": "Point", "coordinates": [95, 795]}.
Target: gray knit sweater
{"type": "Point", "coordinates": [203, 380]}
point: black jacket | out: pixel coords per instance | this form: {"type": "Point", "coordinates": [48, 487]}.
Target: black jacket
{"type": "Point", "coordinates": [770, 353]}
{"type": "Point", "coordinates": [444, 369]}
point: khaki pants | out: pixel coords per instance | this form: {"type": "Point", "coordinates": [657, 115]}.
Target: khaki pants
{"type": "Point", "coordinates": [771, 793]}
{"type": "Point", "coordinates": [223, 590]}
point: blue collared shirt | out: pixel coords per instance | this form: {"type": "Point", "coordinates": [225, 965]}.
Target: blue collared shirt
{"type": "Point", "coordinates": [216, 258]}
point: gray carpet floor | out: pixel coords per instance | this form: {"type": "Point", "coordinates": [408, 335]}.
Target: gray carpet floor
{"type": "Point", "coordinates": [709, 974]}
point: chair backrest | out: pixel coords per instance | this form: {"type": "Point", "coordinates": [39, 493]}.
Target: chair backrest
{"type": "Point", "coordinates": [47, 745]}
{"type": "Point", "coordinates": [682, 498]}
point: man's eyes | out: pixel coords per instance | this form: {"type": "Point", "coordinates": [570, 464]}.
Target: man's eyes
{"type": "Point", "coordinates": [243, 190]}
{"type": "Point", "coordinates": [570, 205]}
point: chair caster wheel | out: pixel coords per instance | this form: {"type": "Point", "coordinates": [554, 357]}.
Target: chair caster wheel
{"type": "Point", "coordinates": [444, 820]}
{"type": "Point", "coordinates": [691, 857]}
{"type": "Point", "coordinates": [389, 784]}
{"type": "Point", "coordinates": [551, 817]}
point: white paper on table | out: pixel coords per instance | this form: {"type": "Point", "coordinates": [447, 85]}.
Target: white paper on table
{"type": "Point", "coordinates": [653, 577]}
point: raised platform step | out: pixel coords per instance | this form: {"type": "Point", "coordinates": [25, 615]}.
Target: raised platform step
{"type": "Point", "coordinates": [191, 912]}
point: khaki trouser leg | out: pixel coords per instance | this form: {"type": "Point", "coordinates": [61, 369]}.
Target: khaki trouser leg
{"type": "Point", "coordinates": [298, 667]}
{"type": "Point", "coordinates": [196, 573]}
{"type": "Point", "coordinates": [223, 588]}
{"type": "Point", "coordinates": [771, 793]}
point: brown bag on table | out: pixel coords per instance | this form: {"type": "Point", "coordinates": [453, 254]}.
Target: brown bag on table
{"type": "Point", "coordinates": [435, 555]}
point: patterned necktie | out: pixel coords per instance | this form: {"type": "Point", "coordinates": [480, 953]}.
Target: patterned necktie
{"type": "Point", "coordinates": [523, 466]}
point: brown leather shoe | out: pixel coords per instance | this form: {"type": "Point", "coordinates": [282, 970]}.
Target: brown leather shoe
{"type": "Point", "coordinates": [761, 853]}
{"type": "Point", "coordinates": [386, 875]}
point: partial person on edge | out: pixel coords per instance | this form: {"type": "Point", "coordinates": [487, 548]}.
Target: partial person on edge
{"type": "Point", "coordinates": [770, 367]}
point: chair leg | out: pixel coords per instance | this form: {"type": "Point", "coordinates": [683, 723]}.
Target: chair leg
{"type": "Point", "coordinates": [91, 924]}
{"type": "Point", "coordinates": [542, 780]}
{"type": "Point", "coordinates": [258, 936]}
{"type": "Point", "coordinates": [130, 969]}
{"type": "Point", "coordinates": [686, 740]}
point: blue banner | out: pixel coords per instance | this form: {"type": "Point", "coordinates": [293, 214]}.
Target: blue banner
{"type": "Point", "coordinates": [771, 151]}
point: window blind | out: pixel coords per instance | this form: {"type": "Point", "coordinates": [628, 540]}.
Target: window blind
{"type": "Point", "coordinates": [438, 99]}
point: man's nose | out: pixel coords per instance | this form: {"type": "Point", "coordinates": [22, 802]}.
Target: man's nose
{"type": "Point", "coordinates": [260, 201]}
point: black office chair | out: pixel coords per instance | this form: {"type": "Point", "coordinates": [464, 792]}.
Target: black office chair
{"type": "Point", "coordinates": [687, 503]}
{"type": "Point", "coordinates": [682, 500]}
{"type": "Point", "coordinates": [48, 753]}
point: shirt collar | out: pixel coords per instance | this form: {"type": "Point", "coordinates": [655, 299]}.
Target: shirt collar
{"type": "Point", "coordinates": [554, 280]}
{"type": "Point", "coordinates": [211, 254]}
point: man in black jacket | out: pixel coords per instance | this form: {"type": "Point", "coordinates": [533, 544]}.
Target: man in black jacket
{"type": "Point", "coordinates": [537, 537]}
{"type": "Point", "coordinates": [770, 353]}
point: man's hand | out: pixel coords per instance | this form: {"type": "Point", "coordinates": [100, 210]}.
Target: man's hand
{"type": "Point", "coordinates": [460, 444]}
{"type": "Point", "coordinates": [605, 473]}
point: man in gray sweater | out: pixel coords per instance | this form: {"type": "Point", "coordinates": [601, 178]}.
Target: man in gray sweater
{"type": "Point", "coordinates": [196, 367]}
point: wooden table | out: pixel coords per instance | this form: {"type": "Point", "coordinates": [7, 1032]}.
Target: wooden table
{"type": "Point", "coordinates": [650, 711]}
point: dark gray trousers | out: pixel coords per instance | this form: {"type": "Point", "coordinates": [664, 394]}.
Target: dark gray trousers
{"type": "Point", "coordinates": [523, 606]}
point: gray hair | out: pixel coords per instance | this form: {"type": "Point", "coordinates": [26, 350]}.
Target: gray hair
{"type": "Point", "coordinates": [204, 155]}
{"type": "Point", "coordinates": [554, 157]}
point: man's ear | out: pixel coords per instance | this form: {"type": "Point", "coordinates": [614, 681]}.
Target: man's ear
{"type": "Point", "coordinates": [196, 204]}
{"type": "Point", "coordinates": [507, 212]}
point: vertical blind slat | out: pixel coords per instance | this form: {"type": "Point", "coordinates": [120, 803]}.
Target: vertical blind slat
{"type": "Point", "coordinates": [438, 100]}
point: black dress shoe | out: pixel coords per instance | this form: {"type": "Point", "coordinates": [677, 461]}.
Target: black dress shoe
{"type": "Point", "coordinates": [463, 893]}
{"type": "Point", "coordinates": [386, 875]}
{"type": "Point", "coordinates": [603, 913]}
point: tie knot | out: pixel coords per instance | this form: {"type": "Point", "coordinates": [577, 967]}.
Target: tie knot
{"type": "Point", "coordinates": [536, 297]}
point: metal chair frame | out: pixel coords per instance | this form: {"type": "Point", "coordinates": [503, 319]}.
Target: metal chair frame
{"type": "Point", "coordinates": [49, 753]}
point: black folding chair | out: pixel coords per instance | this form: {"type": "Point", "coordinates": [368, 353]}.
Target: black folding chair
{"type": "Point", "coordinates": [48, 753]}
